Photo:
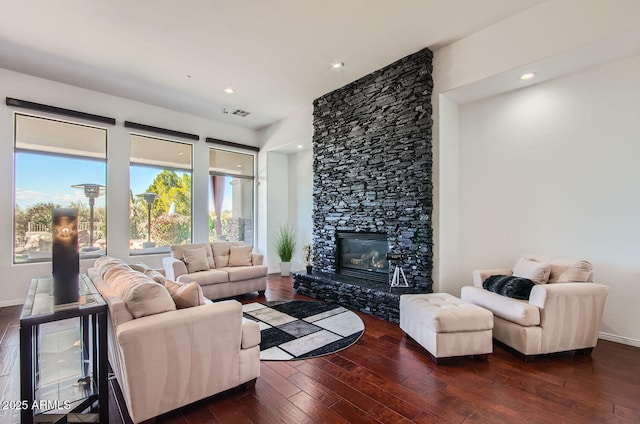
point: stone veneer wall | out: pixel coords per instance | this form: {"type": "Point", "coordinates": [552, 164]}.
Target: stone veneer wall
{"type": "Point", "coordinates": [372, 164]}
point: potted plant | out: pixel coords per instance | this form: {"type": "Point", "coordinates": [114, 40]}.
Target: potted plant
{"type": "Point", "coordinates": [285, 246]}
{"type": "Point", "coordinates": [306, 255]}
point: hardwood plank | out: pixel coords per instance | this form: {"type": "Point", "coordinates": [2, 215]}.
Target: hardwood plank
{"type": "Point", "coordinates": [281, 406]}
{"type": "Point", "coordinates": [195, 413]}
{"type": "Point", "coordinates": [319, 392]}
{"type": "Point", "coordinates": [227, 411]}
{"type": "Point", "coordinates": [284, 368]}
{"type": "Point", "coordinates": [359, 399]}
{"type": "Point", "coordinates": [386, 415]}
{"type": "Point", "coordinates": [277, 381]}
{"type": "Point", "coordinates": [352, 413]}
{"type": "Point", "coordinates": [315, 408]}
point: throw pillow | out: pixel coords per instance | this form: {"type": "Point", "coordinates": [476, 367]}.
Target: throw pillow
{"type": "Point", "coordinates": [571, 271]}
{"type": "Point", "coordinates": [147, 298]}
{"type": "Point", "coordinates": [155, 276]}
{"type": "Point", "coordinates": [185, 295]}
{"type": "Point", "coordinates": [140, 267]}
{"type": "Point", "coordinates": [509, 286]}
{"type": "Point", "coordinates": [177, 251]}
{"type": "Point", "coordinates": [221, 253]}
{"type": "Point", "coordinates": [196, 259]}
{"type": "Point", "coordinates": [240, 256]}
{"type": "Point", "coordinates": [107, 273]}
{"type": "Point", "coordinates": [538, 272]}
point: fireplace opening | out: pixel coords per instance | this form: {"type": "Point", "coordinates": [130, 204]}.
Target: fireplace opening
{"type": "Point", "coordinates": [363, 255]}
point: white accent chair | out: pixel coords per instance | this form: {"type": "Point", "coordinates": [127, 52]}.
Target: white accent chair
{"type": "Point", "coordinates": [563, 312]}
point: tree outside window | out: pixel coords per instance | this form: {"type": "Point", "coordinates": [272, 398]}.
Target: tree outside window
{"type": "Point", "coordinates": [160, 194]}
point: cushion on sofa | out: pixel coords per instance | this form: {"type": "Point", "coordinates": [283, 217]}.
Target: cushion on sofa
{"type": "Point", "coordinates": [185, 295]}
{"type": "Point", "coordinates": [155, 276]}
{"type": "Point", "coordinates": [205, 278]}
{"type": "Point", "coordinates": [534, 270]}
{"type": "Point", "coordinates": [106, 261]}
{"type": "Point", "coordinates": [221, 250]}
{"type": "Point", "coordinates": [141, 294]}
{"type": "Point", "coordinates": [240, 255]}
{"type": "Point", "coordinates": [514, 310]}
{"type": "Point", "coordinates": [239, 273]}
{"type": "Point", "coordinates": [195, 259]}
{"type": "Point", "coordinates": [177, 252]}
{"type": "Point", "coordinates": [108, 272]}
{"type": "Point", "coordinates": [570, 270]}
{"type": "Point", "coordinates": [148, 298]}
{"type": "Point", "coordinates": [509, 285]}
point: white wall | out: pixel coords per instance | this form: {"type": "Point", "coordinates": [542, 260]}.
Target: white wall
{"type": "Point", "coordinates": [16, 278]}
{"type": "Point", "coordinates": [283, 175]}
{"type": "Point", "coordinates": [553, 169]}
{"type": "Point", "coordinates": [277, 207]}
{"type": "Point", "coordinates": [301, 201]}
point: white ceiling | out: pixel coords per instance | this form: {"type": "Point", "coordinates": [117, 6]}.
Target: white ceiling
{"type": "Point", "coordinates": [276, 54]}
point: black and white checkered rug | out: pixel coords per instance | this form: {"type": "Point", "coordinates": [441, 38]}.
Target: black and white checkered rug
{"type": "Point", "coordinates": [299, 329]}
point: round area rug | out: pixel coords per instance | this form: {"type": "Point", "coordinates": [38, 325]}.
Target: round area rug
{"type": "Point", "coordinates": [299, 329]}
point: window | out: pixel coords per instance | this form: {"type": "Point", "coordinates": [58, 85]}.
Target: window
{"type": "Point", "coordinates": [58, 164]}
{"type": "Point", "coordinates": [231, 188]}
{"type": "Point", "coordinates": [160, 194]}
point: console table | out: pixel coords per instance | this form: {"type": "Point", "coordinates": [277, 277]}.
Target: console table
{"type": "Point", "coordinates": [37, 401]}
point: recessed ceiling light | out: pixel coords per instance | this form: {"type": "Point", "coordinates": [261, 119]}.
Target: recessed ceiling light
{"type": "Point", "coordinates": [337, 64]}
{"type": "Point", "coordinates": [300, 146]}
{"type": "Point", "coordinates": [238, 166]}
{"type": "Point", "coordinates": [527, 76]}
{"type": "Point", "coordinates": [229, 90]}
{"type": "Point", "coordinates": [188, 76]}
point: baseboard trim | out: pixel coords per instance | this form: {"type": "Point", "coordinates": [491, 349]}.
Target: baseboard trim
{"type": "Point", "coordinates": [5, 303]}
{"type": "Point", "coordinates": [619, 339]}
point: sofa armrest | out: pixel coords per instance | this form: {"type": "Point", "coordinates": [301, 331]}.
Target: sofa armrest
{"type": "Point", "coordinates": [250, 333]}
{"type": "Point", "coordinates": [482, 274]}
{"type": "Point", "coordinates": [257, 258]}
{"type": "Point", "coordinates": [570, 314]}
{"type": "Point", "coordinates": [173, 268]}
{"type": "Point", "coordinates": [192, 351]}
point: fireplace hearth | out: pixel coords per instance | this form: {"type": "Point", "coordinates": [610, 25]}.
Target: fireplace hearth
{"type": "Point", "coordinates": [363, 255]}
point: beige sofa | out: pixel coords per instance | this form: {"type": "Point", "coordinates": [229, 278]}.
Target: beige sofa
{"type": "Point", "coordinates": [563, 312]}
{"type": "Point", "coordinates": [164, 357]}
{"type": "Point", "coordinates": [230, 269]}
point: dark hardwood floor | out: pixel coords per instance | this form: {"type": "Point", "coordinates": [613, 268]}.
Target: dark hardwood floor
{"type": "Point", "coordinates": [388, 378]}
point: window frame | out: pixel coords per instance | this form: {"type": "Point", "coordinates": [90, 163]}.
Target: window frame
{"type": "Point", "coordinates": [160, 249]}
{"type": "Point", "coordinates": [104, 161]}
{"type": "Point", "coordinates": [254, 177]}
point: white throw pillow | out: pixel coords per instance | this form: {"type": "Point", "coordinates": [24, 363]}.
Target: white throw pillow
{"type": "Point", "coordinates": [538, 272]}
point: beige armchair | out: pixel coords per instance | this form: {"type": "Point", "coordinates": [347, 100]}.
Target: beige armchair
{"type": "Point", "coordinates": [563, 312]}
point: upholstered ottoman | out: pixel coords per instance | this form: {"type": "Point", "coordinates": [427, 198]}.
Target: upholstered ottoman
{"type": "Point", "coordinates": [446, 326]}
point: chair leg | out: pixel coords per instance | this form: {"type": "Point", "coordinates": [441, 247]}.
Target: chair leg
{"type": "Point", "coordinates": [586, 351]}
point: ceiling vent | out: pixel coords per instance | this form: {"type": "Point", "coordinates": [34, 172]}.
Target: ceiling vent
{"type": "Point", "coordinates": [240, 112]}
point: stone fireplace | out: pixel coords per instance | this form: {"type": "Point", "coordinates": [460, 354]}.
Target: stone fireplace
{"type": "Point", "coordinates": [372, 188]}
{"type": "Point", "coordinates": [372, 166]}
